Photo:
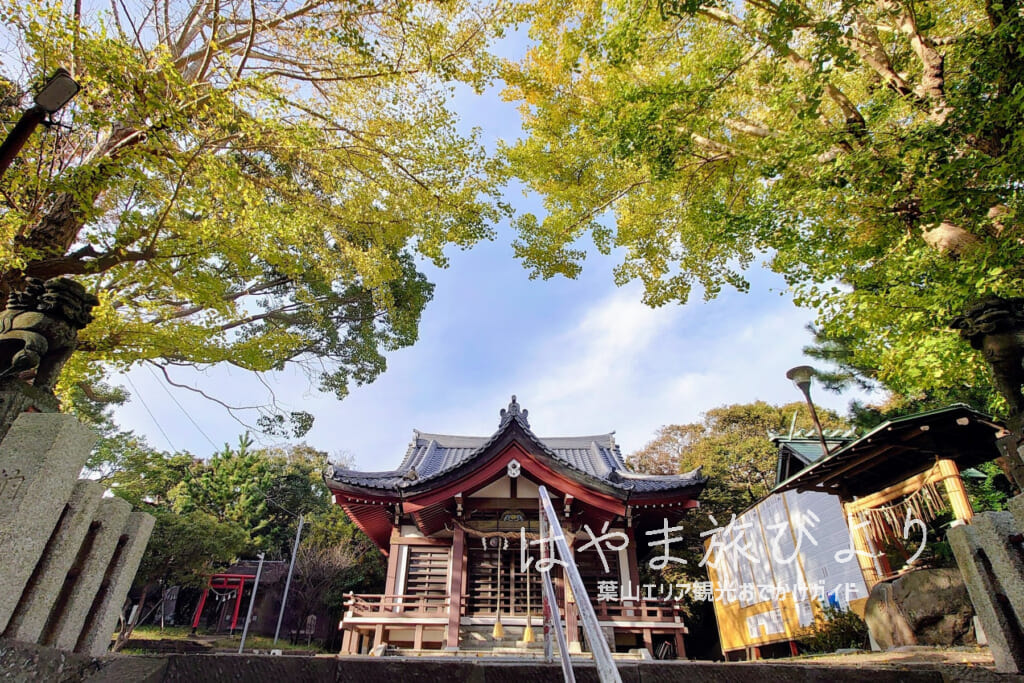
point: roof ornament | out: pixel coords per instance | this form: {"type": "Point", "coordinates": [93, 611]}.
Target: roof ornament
{"type": "Point", "coordinates": [513, 411]}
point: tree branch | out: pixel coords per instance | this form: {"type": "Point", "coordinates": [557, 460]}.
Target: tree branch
{"type": "Point", "coordinates": [933, 81]}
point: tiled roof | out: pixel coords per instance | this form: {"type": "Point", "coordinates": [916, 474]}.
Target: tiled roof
{"type": "Point", "coordinates": [430, 456]}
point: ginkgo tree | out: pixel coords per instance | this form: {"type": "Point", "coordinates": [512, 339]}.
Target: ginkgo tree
{"type": "Point", "coordinates": [870, 151]}
{"type": "Point", "coordinates": [245, 182]}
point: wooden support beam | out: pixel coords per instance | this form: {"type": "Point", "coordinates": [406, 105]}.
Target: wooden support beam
{"type": "Point", "coordinates": [862, 546]}
{"type": "Point", "coordinates": [955, 490]}
{"type": "Point", "coordinates": [346, 642]}
{"type": "Point", "coordinates": [455, 587]}
{"type": "Point", "coordinates": [680, 645]}
{"type": "Point", "coordinates": [392, 575]}
{"type": "Point", "coordinates": [857, 462]}
{"type": "Point", "coordinates": [572, 629]}
{"type": "Point", "coordinates": [417, 540]}
{"type": "Point", "coordinates": [891, 493]}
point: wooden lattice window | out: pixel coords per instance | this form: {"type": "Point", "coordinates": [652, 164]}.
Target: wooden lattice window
{"type": "Point", "coordinates": [427, 572]}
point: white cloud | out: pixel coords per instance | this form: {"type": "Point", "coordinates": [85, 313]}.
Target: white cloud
{"type": "Point", "coordinates": [627, 367]}
{"type": "Point", "coordinates": [598, 354]}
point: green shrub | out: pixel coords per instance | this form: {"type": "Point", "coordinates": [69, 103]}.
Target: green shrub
{"type": "Point", "coordinates": [833, 630]}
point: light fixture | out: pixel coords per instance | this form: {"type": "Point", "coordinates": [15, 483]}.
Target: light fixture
{"type": "Point", "coordinates": [801, 376]}
{"type": "Point", "coordinates": [57, 92]}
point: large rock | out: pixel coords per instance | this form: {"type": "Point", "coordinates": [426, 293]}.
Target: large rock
{"type": "Point", "coordinates": [925, 607]}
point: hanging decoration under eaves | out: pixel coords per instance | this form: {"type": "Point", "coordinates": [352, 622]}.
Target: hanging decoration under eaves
{"type": "Point", "coordinates": [925, 504]}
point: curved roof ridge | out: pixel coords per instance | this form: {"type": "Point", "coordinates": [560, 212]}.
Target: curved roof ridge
{"type": "Point", "coordinates": [692, 474]}
{"type": "Point", "coordinates": [432, 456]}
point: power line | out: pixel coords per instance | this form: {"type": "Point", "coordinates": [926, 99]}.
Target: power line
{"type": "Point", "coordinates": [138, 394]}
{"type": "Point", "coordinates": [181, 408]}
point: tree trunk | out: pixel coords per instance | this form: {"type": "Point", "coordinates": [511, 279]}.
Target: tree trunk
{"type": "Point", "coordinates": [63, 219]}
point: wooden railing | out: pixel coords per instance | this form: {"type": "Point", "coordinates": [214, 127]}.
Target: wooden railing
{"type": "Point", "coordinates": [637, 611]}
{"type": "Point", "coordinates": [363, 605]}
{"type": "Point", "coordinates": [366, 605]}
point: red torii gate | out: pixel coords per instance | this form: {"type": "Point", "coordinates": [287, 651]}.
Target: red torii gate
{"type": "Point", "coordinates": [234, 582]}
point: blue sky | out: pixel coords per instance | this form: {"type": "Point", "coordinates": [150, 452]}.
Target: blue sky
{"type": "Point", "coordinates": [583, 356]}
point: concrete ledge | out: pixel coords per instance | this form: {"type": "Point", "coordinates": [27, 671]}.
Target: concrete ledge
{"type": "Point", "coordinates": [20, 661]}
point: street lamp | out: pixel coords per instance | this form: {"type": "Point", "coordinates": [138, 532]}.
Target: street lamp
{"type": "Point", "coordinates": [801, 376]}
{"type": "Point", "coordinates": [57, 92]}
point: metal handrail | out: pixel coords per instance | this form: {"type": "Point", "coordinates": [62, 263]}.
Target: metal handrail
{"type": "Point", "coordinates": [606, 671]}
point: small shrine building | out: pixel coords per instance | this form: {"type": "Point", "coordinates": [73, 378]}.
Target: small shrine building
{"type": "Point", "coordinates": [839, 521]}
{"type": "Point", "coordinates": [458, 522]}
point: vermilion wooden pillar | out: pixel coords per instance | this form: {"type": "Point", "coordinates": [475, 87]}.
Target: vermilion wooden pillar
{"type": "Point", "coordinates": [571, 616]}
{"type": "Point", "coordinates": [680, 646]}
{"type": "Point", "coordinates": [455, 588]}
{"type": "Point", "coordinates": [199, 608]}
{"type": "Point", "coordinates": [393, 555]}
{"type": "Point", "coordinates": [238, 604]}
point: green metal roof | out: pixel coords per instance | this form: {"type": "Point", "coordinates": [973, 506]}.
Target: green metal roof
{"type": "Point", "coordinates": [902, 447]}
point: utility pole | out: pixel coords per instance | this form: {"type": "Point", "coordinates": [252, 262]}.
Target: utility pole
{"type": "Point", "coordinates": [252, 602]}
{"type": "Point", "coordinates": [288, 582]}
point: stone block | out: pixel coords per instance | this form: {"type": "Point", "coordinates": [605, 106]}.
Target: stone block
{"type": "Point", "coordinates": [17, 396]}
{"type": "Point", "coordinates": [1016, 507]}
{"type": "Point", "coordinates": [985, 586]}
{"type": "Point", "coordinates": [95, 637]}
{"type": "Point", "coordinates": [29, 617]}
{"type": "Point", "coordinates": [40, 459]}
{"type": "Point", "coordinates": [71, 610]}
{"type": "Point", "coordinates": [994, 531]}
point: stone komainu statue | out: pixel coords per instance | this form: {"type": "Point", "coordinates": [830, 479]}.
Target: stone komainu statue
{"type": "Point", "coordinates": [39, 328]}
{"type": "Point", "coordinates": [995, 327]}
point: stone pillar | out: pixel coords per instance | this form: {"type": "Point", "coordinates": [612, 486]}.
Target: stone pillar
{"type": "Point", "coordinates": [989, 555]}
{"type": "Point", "coordinates": [30, 616]}
{"type": "Point", "coordinates": [40, 459]}
{"type": "Point", "coordinates": [117, 581]}
{"type": "Point", "coordinates": [83, 581]}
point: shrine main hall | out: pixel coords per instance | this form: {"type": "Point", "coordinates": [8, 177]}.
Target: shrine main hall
{"type": "Point", "coordinates": [453, 518]}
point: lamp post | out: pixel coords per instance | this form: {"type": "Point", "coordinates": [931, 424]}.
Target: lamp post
{"type": "Point", "coordinates": [57, 92]}
{"type": "Point", "coordinates": [801, 376]}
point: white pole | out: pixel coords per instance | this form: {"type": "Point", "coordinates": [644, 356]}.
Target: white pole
{"type": "Point", "coordinates": [252, 602]}
{"type": "Point", "coordinates": [545, 601]}
{"type": "Point", "coordinates": [563, 646]}
{"type": "Point", "coordinates": [288, 582]}
{"type": "Point", "coordinates": [606, 671]}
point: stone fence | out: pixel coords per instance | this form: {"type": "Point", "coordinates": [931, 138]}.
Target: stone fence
{"type": "Point", "coordinates": [68, 553]}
